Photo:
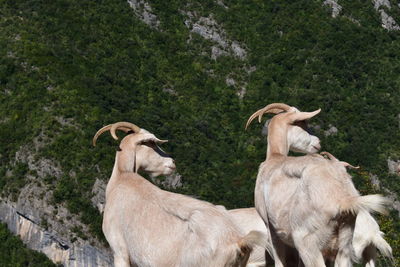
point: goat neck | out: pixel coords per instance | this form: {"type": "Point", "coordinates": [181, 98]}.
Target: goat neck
{"type": "Point", "coordinates": [277, 138]}
{"type": "Point", "coordinates": [125, 158]}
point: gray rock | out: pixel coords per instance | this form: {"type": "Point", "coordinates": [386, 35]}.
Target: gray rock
{"type": "Point", "coordinates": [395, 202]}
{"type": "Point", "coordinates": [99, 194]}
{"type": "Point", "coordinates": [393, 166]}
{"type": "Point", "coordinates": [220, 3]}
{"type": "Point", "coordinates": [264, 130]}
{"type": "Point", "coordinates": [336, 8]}
{"type": "Point", "coordinates": [59, 250]}
{"type": "Point", "coordinates": [209, 29]}
{"type": "Point", "coordinates": [44, 226]}
{"type": "Point", "coordinates": [172, 181]}
{"type": "Point", "coordinates": [391, 195]}
{"type": "Point", "coordinates": [170, 91]}
{"type": "Point", "coordinates": [331, 131]}
{"type": "Point", "coordinates": [230, 81]}
{"type": "Point", "coordinates": [375, 181]}
{"type": "Point", "coordinates": [241, 92]}
{"type": "Point", "coordinates": [216, 52]}
{"type": "Point", "coordinates": [379, 3]}
{"type": "Point", "coordinates": [143, 11]}
{"type": "Point", "coordinates": [388, 22]}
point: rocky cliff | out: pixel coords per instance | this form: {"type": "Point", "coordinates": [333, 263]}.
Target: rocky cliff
{"type": "Point", "coordinates": [58, 247]}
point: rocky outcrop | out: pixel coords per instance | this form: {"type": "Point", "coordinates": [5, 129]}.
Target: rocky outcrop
{"type": "Point", "coordinates": [393, 166]}
{"type": "Point", "coordinates": [43, 225]}
{"type": "Point", "coordinates": [336, 8]}
{"type": "Point", "coordinates": [79, 253]}
{"type": "Point", "coordinates": [388, 22]}
{"type": "Point", "coordinates": [391, 195]}
{"type": "Point", "coordinates": [331, 131]}
{"type": "Point", "coordinates": [381, 6]}
{"type": "Point", "coordinates": [143, 11]}
{"type": "Point", "coordinates": [208, 28]}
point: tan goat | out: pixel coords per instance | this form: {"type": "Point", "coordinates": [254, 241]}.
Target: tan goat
{"type": "Point", "coordinates": [147, 226]}
{"type": "Point", "coordinates": [305, 200]}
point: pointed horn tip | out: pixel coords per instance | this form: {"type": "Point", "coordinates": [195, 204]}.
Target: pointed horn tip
{"type": "Point", "coordinates": [114, 135]}
{"type": "Point", "coordinates": [248, 123]}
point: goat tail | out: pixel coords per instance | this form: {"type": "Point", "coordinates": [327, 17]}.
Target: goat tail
{"type": "Point", "coordinates": [382, 245]}
{"type": "Point", "coordinates": [370, 203]}
{"type": "Point", "coordinates": [255, 238]}
{"type": "Point", "coordinates": [367, 237]}
{"type": "Point", "coordinates": [252, 239]}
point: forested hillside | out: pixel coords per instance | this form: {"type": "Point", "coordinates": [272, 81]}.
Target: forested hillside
{"type": "Point", "coordinates": [191, 72]}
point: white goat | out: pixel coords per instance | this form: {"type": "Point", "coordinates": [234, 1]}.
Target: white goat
{"type": "Point", "coordinates": [306, 200]}
{"type": "Point", "coordinates": [248, 219]}
{"type": "Point", "coordinates": [147, 226]}
{"type": "Point", "coordinates": [367, 235]}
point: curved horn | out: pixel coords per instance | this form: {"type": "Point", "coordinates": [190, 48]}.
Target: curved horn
{"type": "Point", "coordinates": [123, 125]}
{"type": "Point", "coordinates": [274, 108]}
{"type": "Point", "coordinates": [329, 155]}
{"type": "Point", "coordinates": [348, 165]}
{"type": "Point", "coordinates": [99, 132]}
{"type": "Point", "coordinates": [345, 164]}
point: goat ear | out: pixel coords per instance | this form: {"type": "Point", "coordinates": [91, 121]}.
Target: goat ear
{"type": "Point", "coordinates": [159, 141]}
{"type": "Point", "coordinates": [301, 116]}
{"type": "Point", "coordinates": [150, 137]}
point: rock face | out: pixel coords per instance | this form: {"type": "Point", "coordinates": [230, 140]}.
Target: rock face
{"type": "Point", "coordinates": [388, 22]}
{"type": "Point", "coordinates": [45, 226]}
{"type": "Point", "coordinates": [208, 28]}
{"type": "Point", "coordinates": [144, 12]}
{"type": "Point", "coordinates": [79, 253]}
{"type": "Point", "coordinates": [336, 8]}
{"type": "Point", "coordinates": [99, 194]}
{"type": "Point", "coordinates": [381, 6]}
{"type": "Point", "coordinates": [393, 166]}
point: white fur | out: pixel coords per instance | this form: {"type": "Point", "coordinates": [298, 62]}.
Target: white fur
{"type": "Point", "coordinates": [248, 219]}
{"type": "Point", "coordinates": [307, 198]}
{"type": "Point", "coordinates": [367, 237]}
{"type": "Point", "coordinates": [147, 226]}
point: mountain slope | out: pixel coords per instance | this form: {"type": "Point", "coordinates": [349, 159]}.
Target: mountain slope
{"type": "Point", "coordinates": [191, 72]}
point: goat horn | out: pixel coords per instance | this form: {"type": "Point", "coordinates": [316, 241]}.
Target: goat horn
{"type": "Point", "coordinates": [274, 108]}
{"type": "Point", "coordinates": [123, 125]}
{"type": "Point", "coordinates": [329, 155]}
{"type": "Point", "coordinates": [99, 132]}
{"type": "Point", "coordinates": [345, 164]}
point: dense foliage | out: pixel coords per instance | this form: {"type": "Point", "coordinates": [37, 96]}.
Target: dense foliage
{"type": "Point", "coordinates": [69, 67]}
{"type": "Point", "coordinates": [13, 253]}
